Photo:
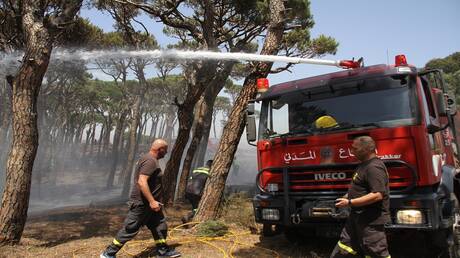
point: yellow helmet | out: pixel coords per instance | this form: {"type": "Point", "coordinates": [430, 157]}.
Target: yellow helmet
{"type": "Point", "coordinates": [325, 122]}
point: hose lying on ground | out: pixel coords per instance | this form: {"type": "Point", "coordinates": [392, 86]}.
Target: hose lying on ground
{"type": "Point", "coordinates": [231, 238]}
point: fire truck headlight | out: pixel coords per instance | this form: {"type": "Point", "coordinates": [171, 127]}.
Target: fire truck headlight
{"type": "Point", "coordinates": [270, 214]}
{"type": "Point", "coordinates": [410, 217]}
{"type": "Point", "coordinates": [272, 187]}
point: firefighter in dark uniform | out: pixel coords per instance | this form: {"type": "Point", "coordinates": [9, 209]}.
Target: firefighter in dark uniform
{"type": "Point", "coordinates": [194, 189]}
{"type": "Point", "coordinates": [368, 197]}
{"type": "Point", "coordinates": [145, 207]}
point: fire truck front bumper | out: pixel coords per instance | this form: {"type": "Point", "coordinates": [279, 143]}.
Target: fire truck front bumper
{"type": "Point", "coordinates": [422, 210]}
{"type": "Point", "coordinates": [272, 209]}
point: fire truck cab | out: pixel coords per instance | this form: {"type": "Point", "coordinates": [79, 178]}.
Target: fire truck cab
{"type": "Point", "coordinates": [304, 166]}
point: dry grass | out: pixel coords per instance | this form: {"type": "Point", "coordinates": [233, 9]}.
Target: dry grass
{"type": "Point", "coordinates": [84, 232]}
{"type": "Point", "coordinates": [238, 210]}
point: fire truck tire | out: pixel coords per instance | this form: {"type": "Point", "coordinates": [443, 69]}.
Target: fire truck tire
{"type": "Point", "coordinates": [454, 248]}
{"type": "Point", "coordinates": [453, 234]}
{"type": "Point", "coordinates": [445, 243]}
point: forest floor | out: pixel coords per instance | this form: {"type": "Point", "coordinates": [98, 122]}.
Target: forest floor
{"type": "Point", "coordinates": [85, 231]}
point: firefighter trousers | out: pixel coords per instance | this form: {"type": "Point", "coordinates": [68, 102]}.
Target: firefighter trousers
{"type": "Point", "coordinates": [361, 241]}
{"type": "Point", "coordinates": [194, 200]}
{"type": "Point", "coordinates": [138, 216]}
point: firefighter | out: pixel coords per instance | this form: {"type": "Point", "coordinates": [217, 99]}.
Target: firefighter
{"type": "Point", "coordinates": [194, 189]}
{"type": "Point", "coordinates": [145, 207]}
{"type": "Point", "coordinates": [368, 197]}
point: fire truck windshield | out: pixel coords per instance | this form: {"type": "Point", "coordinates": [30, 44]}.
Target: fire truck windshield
{"type": "Point", "coordinates": [378, 102]}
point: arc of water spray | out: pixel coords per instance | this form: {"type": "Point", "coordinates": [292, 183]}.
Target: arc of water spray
{"type": "Point", "coordinates": [187, 55]}
{"type": "Point", "coordinates": [70, 55]}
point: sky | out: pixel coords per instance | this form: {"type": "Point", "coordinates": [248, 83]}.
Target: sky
{"type": "Point", "coordinates": [374, 30]}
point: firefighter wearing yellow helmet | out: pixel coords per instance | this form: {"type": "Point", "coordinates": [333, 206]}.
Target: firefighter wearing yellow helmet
{"type": "Point", "coordinates": [325, 122]}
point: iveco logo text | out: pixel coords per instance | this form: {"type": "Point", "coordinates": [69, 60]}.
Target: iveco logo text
{"type": "Point", "coordinates": [338, 175]}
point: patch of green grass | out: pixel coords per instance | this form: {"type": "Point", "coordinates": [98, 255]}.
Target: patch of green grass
{"type": "Point", "coordinates": [212, 228]}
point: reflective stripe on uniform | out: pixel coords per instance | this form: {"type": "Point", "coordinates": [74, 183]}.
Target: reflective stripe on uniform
{"type": "Point", "coordinates": [203, 170]}
{"type": "Point", "coordinates": [346, 248]}
{"type": "Point", "coordinates": [160, 241]}
{"type": "Point", "coordinates": [117, 243]}
{"type": "Point", "coordinates": [368, 256]}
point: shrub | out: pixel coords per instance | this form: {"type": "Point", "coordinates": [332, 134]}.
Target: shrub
{"type": "Point", "coordinates": [212, 228]}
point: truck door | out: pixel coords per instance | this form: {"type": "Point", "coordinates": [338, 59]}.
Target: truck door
{"type": "Point", "coordinates": [436, 82]}
{"type": "Point", "coordinates": [433, 123]}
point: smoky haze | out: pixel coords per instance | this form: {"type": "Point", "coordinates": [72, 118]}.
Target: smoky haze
{"type": "Point", "coordinates": [78, 116]}
{"type": "Point", "coordinates": [76, 173]}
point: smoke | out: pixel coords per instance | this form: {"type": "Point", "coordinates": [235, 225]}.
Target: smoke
{"type": "Point", "coordinates": [72, 168]}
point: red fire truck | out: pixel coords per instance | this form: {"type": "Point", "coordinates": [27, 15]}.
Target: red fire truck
{"type": "Point", "coordinates": [304, 167]}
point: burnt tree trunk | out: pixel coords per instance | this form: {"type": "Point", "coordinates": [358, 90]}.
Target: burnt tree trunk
{"type": "Point", "coordinates": [210, 203]}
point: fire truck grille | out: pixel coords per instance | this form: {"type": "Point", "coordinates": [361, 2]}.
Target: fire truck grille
{"type": "Point", "coordinates": [332, 180]}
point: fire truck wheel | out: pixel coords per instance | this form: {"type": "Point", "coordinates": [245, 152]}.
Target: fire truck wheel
{"type": "Point", "coordinates": [454, 247]}
{"type": "Point", "coordinates": [453, 235]}
{"type": "Point", "coordinates": [445, 243]}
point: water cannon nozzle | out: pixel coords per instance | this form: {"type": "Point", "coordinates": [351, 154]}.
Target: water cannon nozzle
{"type": "Point", "coordinates": [351, 64]}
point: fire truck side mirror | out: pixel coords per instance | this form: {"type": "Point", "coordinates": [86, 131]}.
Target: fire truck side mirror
{"type": "Point", "coordinates": [440, 103]}
{"type": "Point", "coordinates": [433, 126]}
{"type": "Point", "coordinates": [250, 123]}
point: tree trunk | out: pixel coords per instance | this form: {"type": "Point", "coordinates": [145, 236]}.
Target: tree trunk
{"type": "Point", "coordinates": [87, 139]}
{"type": "Point", "coordinates": [203, 146]}
{"type": "Point", "coordinates": [153, 128]}
{"type": "Point", "coordinates": [161, 133]}
{"type": "Point", "coordinates": [115, 147]}
{"type": "Point", "coordinates": [139, 67]}
{"type": "Point", "coordinates": [198, 81]}
{"type": "Point", "coordinates": [210, 203]}
{"type": "Point", "coordinates": [140, 130]}
{"type": "Point", "coordinates": [92, 139]}
{"type": "Point", "coordinates": [173, 164]}
{"type": "Point", "coordinates": [100, 140]}
{"type": "Point", "coordinates": [106, 141]}
{"type": "Point", "coordinates": [203, 110]}
{"type": "Point", "coordinates": [26, 86]}
{"type": "Point", "coordinates": [168, 127]}
{"type": "Point", "coordinates": [132, 147]}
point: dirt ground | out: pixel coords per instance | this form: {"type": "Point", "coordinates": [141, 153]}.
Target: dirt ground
{"type": "Point", "coordinates": [85, 231]}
